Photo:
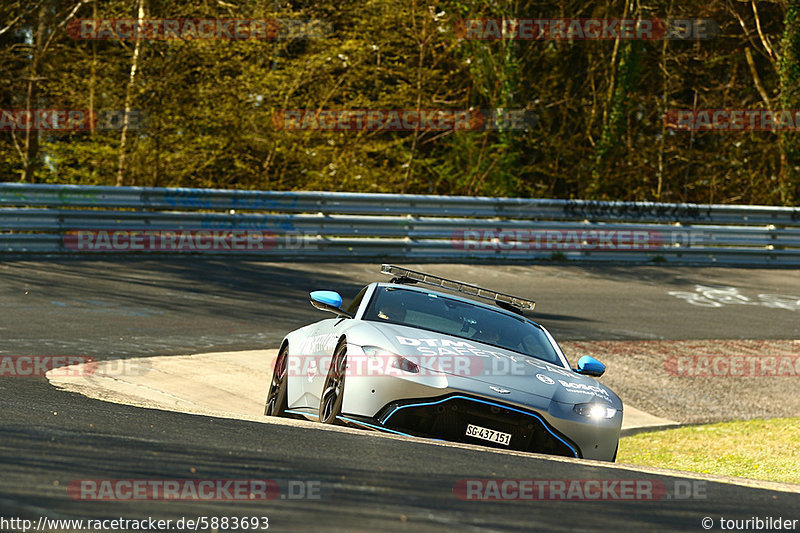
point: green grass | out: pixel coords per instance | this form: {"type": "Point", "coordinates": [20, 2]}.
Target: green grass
{"type": "Point", "coordinates": [757, 449]}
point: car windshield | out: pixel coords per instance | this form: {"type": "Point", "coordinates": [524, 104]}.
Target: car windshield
{"type": "Point", "coordinates": [435, 312]}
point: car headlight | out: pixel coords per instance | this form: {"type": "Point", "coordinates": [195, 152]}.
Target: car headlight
{"type": "Point", "coordinates": [396, 361]}
{"type": "Point", "coordinates": [597, 411]}
{"type": "Point", "coordinates": [374, 351]}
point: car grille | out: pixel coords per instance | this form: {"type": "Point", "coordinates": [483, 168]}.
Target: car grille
{"type": "Point", "coordinates": [447, 419]}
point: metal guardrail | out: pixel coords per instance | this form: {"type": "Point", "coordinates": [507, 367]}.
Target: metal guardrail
{"type": "Point", "coordinates": [91, 219]}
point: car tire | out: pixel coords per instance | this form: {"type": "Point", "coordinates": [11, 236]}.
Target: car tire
{"type": "Point", "coordinates": [330, 402]}
{"type": "Point", "coordinates": [277, 403]}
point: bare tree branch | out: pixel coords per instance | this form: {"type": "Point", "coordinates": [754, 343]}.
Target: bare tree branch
{"type": "Point", "coordinates": [764, 40]}
{"type": "Point", "coordinates": [10, 25]}
{"type": "Point", "coordinates": [62, 24]}
{"type": "Point", "coordinates": [756, 79]}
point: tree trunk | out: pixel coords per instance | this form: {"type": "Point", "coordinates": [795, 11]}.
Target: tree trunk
{"type": "Point", "coordinates": [128, 98]}
{"type": "Point", "coordinates": [31, 101]}
{"type": "Point", "coordinates": [789, 72]}
{"type": "Point", "coordinates": [93, 72]}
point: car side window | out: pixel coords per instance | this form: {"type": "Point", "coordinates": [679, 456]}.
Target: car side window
{"type": "Point", "coordinates": [353, 307]}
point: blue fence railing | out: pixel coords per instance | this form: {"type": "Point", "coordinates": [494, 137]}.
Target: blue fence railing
{"type": "Point", "coordinates": [90, 219]}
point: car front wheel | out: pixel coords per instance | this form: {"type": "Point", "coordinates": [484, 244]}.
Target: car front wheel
{"type": "Point", "coordinates": [330, 405]}
{"type": "Point", "coordinates": [276, 403]}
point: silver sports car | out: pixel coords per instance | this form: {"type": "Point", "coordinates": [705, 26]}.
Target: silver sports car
{"type": "Point", "coordinates": [406, 359]}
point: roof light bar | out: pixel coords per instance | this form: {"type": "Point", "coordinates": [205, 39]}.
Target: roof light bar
{"type": "Point", "coordinates": [405, 275]}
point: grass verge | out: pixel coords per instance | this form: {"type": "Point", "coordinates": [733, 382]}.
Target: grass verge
{"type": "Point", "coordinates": [757, 449]}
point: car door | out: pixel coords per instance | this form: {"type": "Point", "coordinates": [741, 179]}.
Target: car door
{"type": "Point", "coordinates": [308, 359]}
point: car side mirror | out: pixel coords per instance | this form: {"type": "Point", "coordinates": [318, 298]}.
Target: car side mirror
{"type": "Point", "coordinates": [589, 366]}
{"type": "Point", "coordinates": [328, 301]}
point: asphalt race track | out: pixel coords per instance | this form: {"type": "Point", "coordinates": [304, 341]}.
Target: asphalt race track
{"type": "Point", "coordinates": [120, 308]}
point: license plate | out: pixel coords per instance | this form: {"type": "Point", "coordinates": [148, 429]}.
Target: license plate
{"type": "Point", "coordinates": [488, 434]}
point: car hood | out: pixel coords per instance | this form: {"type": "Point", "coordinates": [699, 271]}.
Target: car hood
{"type": "Point", "coordinates": [486, 364]}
